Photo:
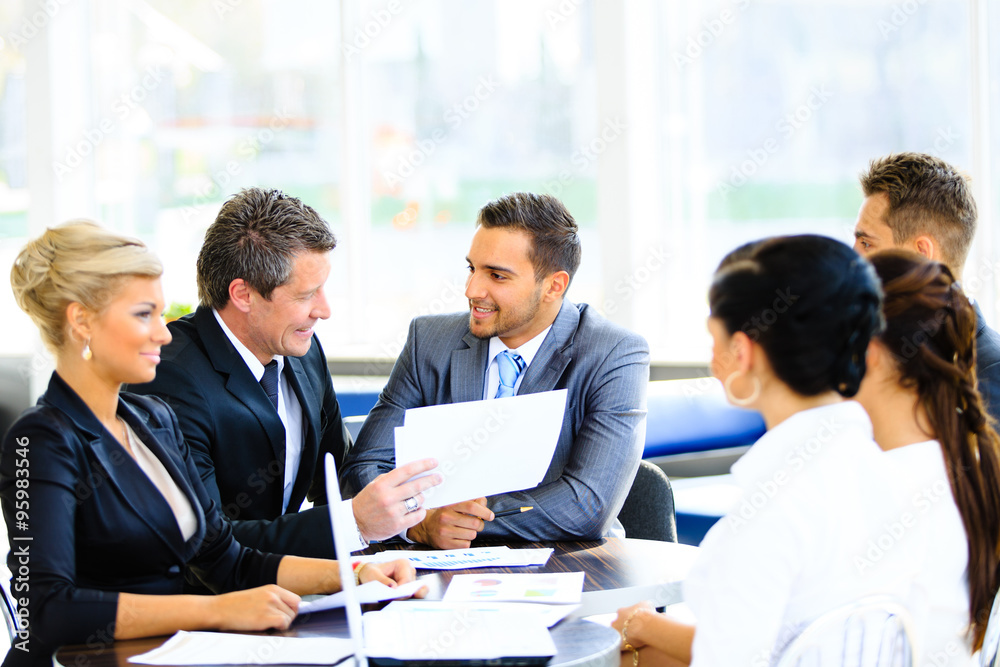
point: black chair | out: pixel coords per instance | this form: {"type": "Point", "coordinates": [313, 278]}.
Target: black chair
{"type": "Point", "coordinates": [648, 512]}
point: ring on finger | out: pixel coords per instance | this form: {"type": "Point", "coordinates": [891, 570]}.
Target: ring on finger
{"type": "Point", "coordinates": [411, 505]}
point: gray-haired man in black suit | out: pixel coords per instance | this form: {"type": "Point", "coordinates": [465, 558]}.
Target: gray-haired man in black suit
{"type": "Point", "coordinates": [249, 382]}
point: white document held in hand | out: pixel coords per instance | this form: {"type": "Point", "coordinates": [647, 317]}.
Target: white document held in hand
{"type": "Point", "coordinates": [483, 447]}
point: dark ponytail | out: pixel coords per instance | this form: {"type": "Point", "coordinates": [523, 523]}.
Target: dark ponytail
{"type": "Point", "coordinates": [931, 333]}
{"type": "Point", "coordinates": [810, 302]}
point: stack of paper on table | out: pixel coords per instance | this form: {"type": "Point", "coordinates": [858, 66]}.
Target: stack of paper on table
{"type": "Point", "coordinates": [219, 648]}
{"type": "Point", "coordinates": [483, 448]}
{"type": "Point", "coordinates": [549, 614]}
{"type": "Point", "coordinates": [484, 616]}
{"type": "Point", "coordinates": [461, 559]}
{"type": "Point", "coordinates": [439, 633]}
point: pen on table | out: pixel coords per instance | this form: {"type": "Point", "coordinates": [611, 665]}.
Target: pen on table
{"type": "Point", "coordinates": [512, 512]}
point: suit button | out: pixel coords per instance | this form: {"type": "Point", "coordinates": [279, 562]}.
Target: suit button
{"type": "Point", "coordinates": [174, 570]}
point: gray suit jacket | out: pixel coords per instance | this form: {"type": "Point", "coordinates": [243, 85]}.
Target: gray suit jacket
{"type": "Point", "coordinates": [605, 369]}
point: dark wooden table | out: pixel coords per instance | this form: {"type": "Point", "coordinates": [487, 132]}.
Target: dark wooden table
{"type": "Point", "coordinates": [619, 572]}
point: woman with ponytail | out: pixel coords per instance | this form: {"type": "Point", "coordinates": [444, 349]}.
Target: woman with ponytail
{"type": "Point", "coordinates": [920, 391]}
{"type": "Point", "coordinates": [791, 318]}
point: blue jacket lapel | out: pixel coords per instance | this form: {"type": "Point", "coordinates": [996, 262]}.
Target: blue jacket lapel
{"type": "Point", "coordinates": [468, 368]}
{"type": "Point", "coordinates": [554, 354]}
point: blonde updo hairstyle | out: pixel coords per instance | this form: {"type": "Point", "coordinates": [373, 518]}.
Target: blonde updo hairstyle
{"type": "Point", "coordinates": [77, 261]}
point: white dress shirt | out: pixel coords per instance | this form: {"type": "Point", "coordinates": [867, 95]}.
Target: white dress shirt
{"type": "Point", "coordinates": [289, 410]}
{"type": "Point", "coordinates": [290, 413]}
{"type": "Point", "coordinates": [527, 352]}
{"type": "Point", "coordinates": [940, 598]}
{"type": "Point", "coordinates": [818, 496]}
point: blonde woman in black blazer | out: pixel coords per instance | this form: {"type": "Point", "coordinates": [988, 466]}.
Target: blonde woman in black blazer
{"type": "Point", "coordinates": [104, 507]}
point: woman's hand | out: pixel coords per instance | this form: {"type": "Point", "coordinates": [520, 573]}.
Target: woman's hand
{"type": "Point", "coordinates": [255, 609]}
{"type": "Point", "coordinates": [391, 574]}
{"type": "Point", "coordinates": [635, 616]}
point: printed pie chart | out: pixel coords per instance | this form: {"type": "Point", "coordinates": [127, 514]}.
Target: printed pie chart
{"type": "Point", "coordinates": [484, 594]}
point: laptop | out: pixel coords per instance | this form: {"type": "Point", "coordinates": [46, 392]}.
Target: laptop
{"type": "Point", "coordinates": [450, 637]}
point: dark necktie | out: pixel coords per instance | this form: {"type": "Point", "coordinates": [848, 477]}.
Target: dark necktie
{"type": "Point", "coordinates": [270, 381]}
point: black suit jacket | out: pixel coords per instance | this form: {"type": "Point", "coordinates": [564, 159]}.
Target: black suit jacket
{"type": "Point", "coordinates": [97, 524]}
{"type": "Point", "coordinates": [238, 441]}
{"type": "Point", "coordinates": [988, 365]}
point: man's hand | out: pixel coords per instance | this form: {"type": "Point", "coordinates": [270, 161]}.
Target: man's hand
{"type": "Point", "coordinates": [452, 526]}
{"type": "Point", "coordinates": [380, 508]}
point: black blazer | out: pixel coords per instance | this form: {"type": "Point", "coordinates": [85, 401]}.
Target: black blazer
{"type": "Point", "coordinates": [988, 364]}
{"type": "Point", "coordinates": [238, 441]}
{"type": "Point", "coordinates": [98, 526]}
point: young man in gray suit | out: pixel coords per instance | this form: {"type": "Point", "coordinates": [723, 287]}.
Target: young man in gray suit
{"type": "Point", "coordinates": [922, 203]}
{"type": "Point", "coordinates": [250, 385]}
{"type": "Point", "coordinates": [522, 336]}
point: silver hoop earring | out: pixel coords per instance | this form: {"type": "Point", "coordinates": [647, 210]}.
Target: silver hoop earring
{"type": "Point", "coordinates": [742, 402]}
{"type": "Point", "coordinates": [87, 354]}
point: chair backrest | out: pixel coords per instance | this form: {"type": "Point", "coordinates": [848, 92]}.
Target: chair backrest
{"type": "Point", "coordinates": [353, 425]}
{"type": "Point", "coordinates": [871, 632]}
{"type": "Point", "coordinates": [991, 640]}
{"type": "Point", "coordinates": [648, 512]}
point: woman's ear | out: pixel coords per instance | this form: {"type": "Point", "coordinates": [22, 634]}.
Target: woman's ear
{"type": "Point", "coordinates": [79, 320]}
{"type": "Point", "coordinates": [878, 359]}
{"type": "Point", "coordinates": [743, 351]}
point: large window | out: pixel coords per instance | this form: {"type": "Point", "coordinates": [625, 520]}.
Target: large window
{"type": "Point", "coordinates": [770, 110]}
{"type": "Point", "coordinates": [674, 131]}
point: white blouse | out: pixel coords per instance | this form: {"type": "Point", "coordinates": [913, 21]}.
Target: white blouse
{"type": "Point", "coordinates": [940, 597]}
{"type": "Point", "coordinates": [187, 522]}
{"type": "Point", "coordinates": [813, 530]}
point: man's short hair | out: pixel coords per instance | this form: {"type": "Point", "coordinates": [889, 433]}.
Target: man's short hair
{"type": "Point", "coordinates": [555, 242]}
{"type": "Point", "coordinates": [926, 196]}
{"type": "Point", "coordinates": [256, 237]}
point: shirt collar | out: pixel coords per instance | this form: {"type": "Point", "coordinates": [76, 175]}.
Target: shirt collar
{"type": "Point", "coordinates": [527, 351]}
{"type": "Point", "coordinates": [801, 438]}
{"type": "Point", "coordinates": [256, 368]}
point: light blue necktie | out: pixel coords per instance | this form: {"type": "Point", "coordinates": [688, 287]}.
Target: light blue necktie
{"type": "Point", "coordinates": [511, 365]}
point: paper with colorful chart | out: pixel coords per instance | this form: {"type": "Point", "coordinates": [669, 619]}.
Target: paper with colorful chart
{"type": "Point", "coordinates": [464, 559]}
{"type": "Point", "coordinates": [550, 588]}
